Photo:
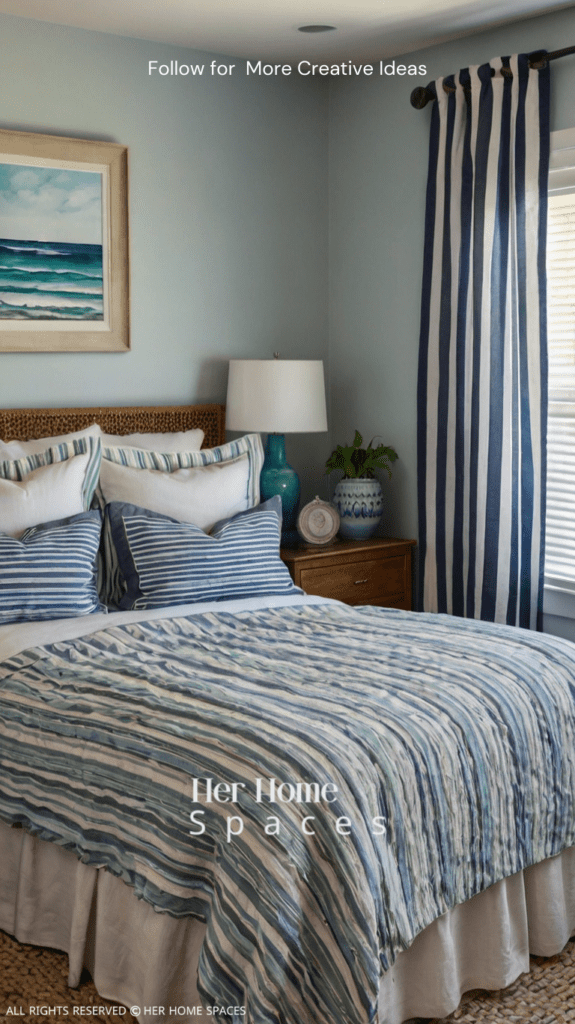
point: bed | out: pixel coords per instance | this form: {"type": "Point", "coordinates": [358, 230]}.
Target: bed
{"type": "Point", "coordinates": [376, 893]}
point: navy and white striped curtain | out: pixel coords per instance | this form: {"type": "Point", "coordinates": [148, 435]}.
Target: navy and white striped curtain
{"type": "Point", "coordinates": [482, 388]}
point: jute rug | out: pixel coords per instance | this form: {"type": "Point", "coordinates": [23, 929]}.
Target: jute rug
{"type": "Point", "coordinates": [544, 996]}
{"type": "Point", "coordinates": [32, 978]}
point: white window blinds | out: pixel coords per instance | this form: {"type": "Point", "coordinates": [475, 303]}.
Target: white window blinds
{"type": "Point", "coordinates": [561, 293]}
{"type": "Point", "coordinates": [560, 521]}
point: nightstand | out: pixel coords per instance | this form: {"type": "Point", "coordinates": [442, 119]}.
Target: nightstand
{"type": "Point", "coordinates": [376, 571]}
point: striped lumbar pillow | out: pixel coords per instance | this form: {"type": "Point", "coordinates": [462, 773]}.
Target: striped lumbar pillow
{"type": "Point", "coordinates": [50, 572]}
{"type": "Point", "coordinates": [165, 562]}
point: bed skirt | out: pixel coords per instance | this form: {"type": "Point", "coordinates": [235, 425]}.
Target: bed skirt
{"type": "Point", "coordinates": [140, 958]}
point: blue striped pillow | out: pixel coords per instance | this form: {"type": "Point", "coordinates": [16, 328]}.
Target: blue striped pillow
{"type": "Point", "coordinates": [183, 506]}
{"type": "Point", "coordinates": [50, 571]}
{"type": "Point", "coordinates": [165, 562]}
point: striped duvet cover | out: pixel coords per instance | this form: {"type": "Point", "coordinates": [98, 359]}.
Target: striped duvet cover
{"type": "Point", "coordinates": [317, 783]}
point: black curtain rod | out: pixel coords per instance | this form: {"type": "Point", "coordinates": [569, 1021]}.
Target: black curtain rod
{"type": "Point", "coordinates": [421, 96]}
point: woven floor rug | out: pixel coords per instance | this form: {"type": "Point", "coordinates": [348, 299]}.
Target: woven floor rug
{"type": "Point", "coordinates": [35, 978]}
{"type": "Point", "coordinates": [544, 996]}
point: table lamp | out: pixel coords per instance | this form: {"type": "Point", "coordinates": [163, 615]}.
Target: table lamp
{"type": "Point", "coordinates": [277, 397]}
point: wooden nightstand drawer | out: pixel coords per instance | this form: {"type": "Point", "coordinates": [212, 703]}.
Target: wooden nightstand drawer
{"type": "Point", "coordinates": [376, 571]}
{"type": "Point", "coordinates": [365, 582]}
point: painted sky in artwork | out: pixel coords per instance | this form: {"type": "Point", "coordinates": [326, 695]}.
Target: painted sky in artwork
{"type": "Point", "coordinates": [51, 259]}
{"type": "Point", "coordinates": [50, 204]}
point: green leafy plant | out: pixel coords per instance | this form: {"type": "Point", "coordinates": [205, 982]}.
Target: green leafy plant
{"type": "Point", "coordinates": [357, 462]}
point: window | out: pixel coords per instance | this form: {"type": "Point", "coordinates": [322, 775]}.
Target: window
{"type": "Point", "coordinates": [560, 521]}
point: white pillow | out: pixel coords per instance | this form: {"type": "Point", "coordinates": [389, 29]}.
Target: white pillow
{"type": "Point", "coordinates": [181, 441]}
{"type": "Point", "coordinates": [225, 492]}
{"type": "Point", "coordinates": [47, 493]}
{"type": "Point", "coordinates": [13, 450]}
{"type": "Point", "coordinates": [201, 495]}
{"type": "Point", "coordinates": [56, 483]}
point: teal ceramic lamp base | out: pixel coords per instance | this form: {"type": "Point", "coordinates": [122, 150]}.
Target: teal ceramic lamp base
{"type": "Point", "coordinates": [277, 477]}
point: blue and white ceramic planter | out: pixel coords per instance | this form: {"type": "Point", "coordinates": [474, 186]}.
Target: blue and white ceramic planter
{"type": "Point", "coordinates": [360, 506]}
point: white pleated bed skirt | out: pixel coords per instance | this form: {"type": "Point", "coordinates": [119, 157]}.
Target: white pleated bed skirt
{"type": "Point", "coordinates": [138, 957]}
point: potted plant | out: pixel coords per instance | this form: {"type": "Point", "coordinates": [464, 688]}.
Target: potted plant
{"type": "Point", "coordinates": [358, 496]}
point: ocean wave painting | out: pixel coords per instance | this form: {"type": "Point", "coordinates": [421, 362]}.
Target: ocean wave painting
{"type": "Point", "coordinates": [51, 254]}
{"type": "Point", "coordinates": [50, 280]}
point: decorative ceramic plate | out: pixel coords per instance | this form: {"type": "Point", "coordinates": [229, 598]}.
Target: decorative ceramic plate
{"type": "Point", "coordinates": [318, 522]}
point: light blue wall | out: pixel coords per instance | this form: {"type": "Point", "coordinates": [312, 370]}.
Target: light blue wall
{"type": "Point", "coordinates": [229, 225]}
{"type": "Point", "coordinates": [378, 171]}
{"type": "Point", "coordinates": [228, 215]}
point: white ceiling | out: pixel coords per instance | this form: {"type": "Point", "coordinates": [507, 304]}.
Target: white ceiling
{"type": "Point", "coordinates": [267, 29]}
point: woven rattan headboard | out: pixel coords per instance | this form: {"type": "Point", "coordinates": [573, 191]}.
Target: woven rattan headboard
{"type": "Point", "coordinates": [22, 424]}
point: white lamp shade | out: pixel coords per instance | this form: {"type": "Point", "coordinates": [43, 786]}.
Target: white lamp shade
{"type": "Point", "coordinates": [276, 396]}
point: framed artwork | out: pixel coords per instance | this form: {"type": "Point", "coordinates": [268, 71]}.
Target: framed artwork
{"type": "Point", "coordinates": [64, 258]}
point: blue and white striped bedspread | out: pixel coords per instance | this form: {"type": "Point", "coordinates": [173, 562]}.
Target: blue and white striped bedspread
{"type": "Point", "coordinates": [457, 736]}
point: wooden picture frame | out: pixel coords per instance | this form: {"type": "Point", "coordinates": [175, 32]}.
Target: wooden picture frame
{"type": "Point", "coordinates": [69, 292]}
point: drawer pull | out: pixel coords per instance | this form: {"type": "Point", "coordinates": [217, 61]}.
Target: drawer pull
{"type": "Point", "coordinates": [360, 581]}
